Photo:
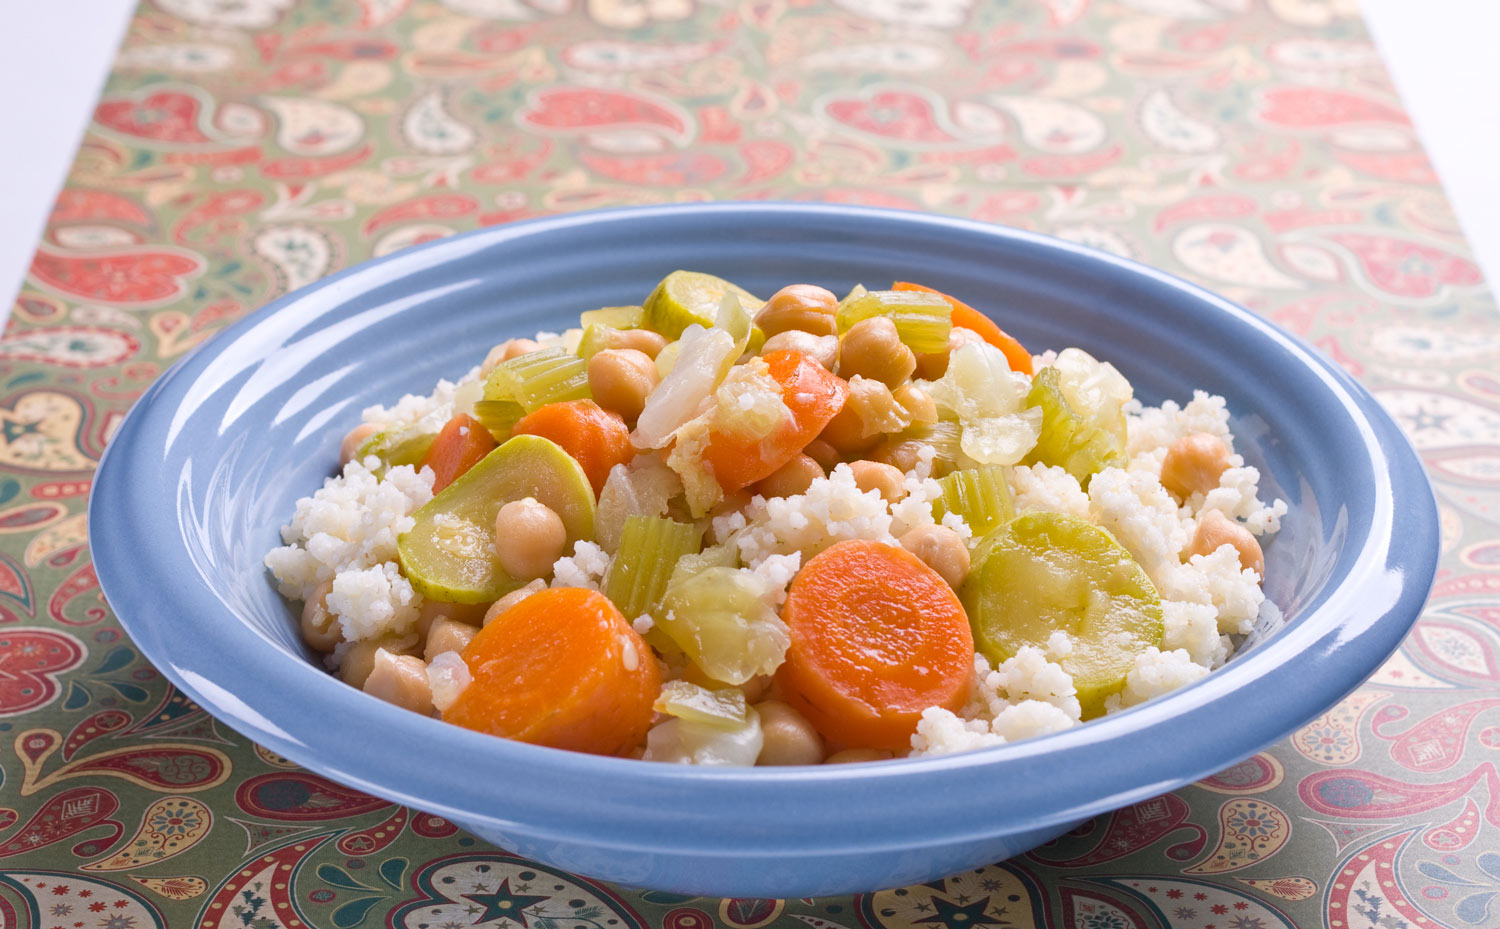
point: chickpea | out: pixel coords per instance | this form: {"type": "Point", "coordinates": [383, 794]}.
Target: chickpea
{"type": "Point", "coordinates": [853, 755]}
{"type": "Point", "coordinates": [621, 379]}
{"type": "Point", "coordinates": [1194, 464]}
{"type": "Point", "coordinates": [917, 403]}
{"type": "Point", "coordinates": [824, 349]}
{"type": "Point", "coordinates": [870, 412]}
{"type": "Point", "coordinates": [320, 630]}
{"type": "Point", "coordinates": [882, 478]}
{"type": "Point", "coordinates": [511, 599]}
{"type": "Point", "coordinates": [400, 679]}
{"type": "Point", "coordinates": [645, 341]}
{"type": "Point", "coordinates": [934, 365]}
{"type": "Point", "coordinates": [940, 549]}
{"type": "Point", "coordinates": [755, 688]}
{"type": "Point", "coordinates": [434, 610]}
{"type": "Point", "coordinates": [846, 433]}
{"type": "Point", "coordinates": [788, 737]}
{"type": "Point", "coordinates": [1216, 530]}
{"type": "Point", "coordinates": [873, 349]}
{"type": "Point", "coordinates": [790, 479]}
{"type": "Point", "coordinates": [359, 659]}
{"type": "Point", "coordinates": [446, 635]}
{"type": "Point", "coordinates": [807, 307]}
{"type": "Point", "coordinates": [823, 453]}
{"type": "Point", "coordinates": [901, 454]}
{"type": "Point", "coordinates": [353, 440]}
{"type": "Point", "coordinates": [529, 537]}
{"type": "Point", "coordinates": [505, 351]}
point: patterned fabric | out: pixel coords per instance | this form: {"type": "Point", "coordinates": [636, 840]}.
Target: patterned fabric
{"type": "Point", "coordinates": [247, 147]}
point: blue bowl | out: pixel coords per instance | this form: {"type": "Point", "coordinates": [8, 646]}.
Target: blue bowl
{"type": "Point", "coordinates": [211, 461]}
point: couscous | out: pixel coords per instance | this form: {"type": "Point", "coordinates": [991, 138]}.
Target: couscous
{"type": "Point", "coordinates": [711, 529]}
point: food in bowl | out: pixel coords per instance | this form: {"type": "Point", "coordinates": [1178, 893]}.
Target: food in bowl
{"type": "Point", "coordinates": [713, 529]}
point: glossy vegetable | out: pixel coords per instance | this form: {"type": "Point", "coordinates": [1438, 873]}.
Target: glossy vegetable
{"type": "Point", "coordinates": [722, 619]}
{"type": "Point", "coordinates": [450, 553]}
{"type": "Point", "coordinates": [650, 547]}
{"type": "Point", "coordinates": [876, 638]}
{"type": "Point", "coordinates": [687, 297]}
{"type": "Point", "coordinates": [461, 445]}
{"type": "Point", "coordinates": [596, 438]}
{"type": "Point", "coordinates": [966, 317]}
{"type": "Point", "coordinates": [980, 495]}
{"type": "Point", "coordinates": [530, 381]}
{"type": "Point", "coordinates": [561, 668]}
{"type": "Point", "coordinates": [1072, 439]}
{"type": "Point", "coordinates": [1048, 572]}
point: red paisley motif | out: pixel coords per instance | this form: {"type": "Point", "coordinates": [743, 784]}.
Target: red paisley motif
{"type": "Point", "coordinates": [163, 116]}
{"type": "Point", "coordinates": [675, 169]}
{"type": "Point", "coordinates": [1408, 269]}
{"type": "Point", "coordinates": [433, 206]}
{"type": "Point", "coordinates": [30, 662]}
{"type": "Point", "coordinates": [76, 205]}
{"type": "Point", "coordinates": [1314, 107]}
{"type": "Point", "coordinates": [139, 276]}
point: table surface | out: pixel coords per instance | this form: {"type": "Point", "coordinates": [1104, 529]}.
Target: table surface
{"type": "Point", "coordinates": [243, 149]}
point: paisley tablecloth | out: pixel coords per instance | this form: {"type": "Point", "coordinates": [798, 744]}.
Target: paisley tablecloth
{"type": "Point", "coordinates": [246, 147]}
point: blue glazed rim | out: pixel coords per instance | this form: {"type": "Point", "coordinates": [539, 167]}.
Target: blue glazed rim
{"type": "Point", "coordinates": [1046, 782]}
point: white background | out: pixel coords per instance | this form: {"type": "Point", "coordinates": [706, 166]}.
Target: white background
{"type": "Point", "coordinates": [55, 55]}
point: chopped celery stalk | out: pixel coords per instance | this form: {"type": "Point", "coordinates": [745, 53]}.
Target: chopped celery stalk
{"type": "Point", "coordinates": [615, 317]}
{"type": "Point", "coordinates": [538, 378]}
{"type": "Point", "coordinates": [685, 700]}
{"type": "Point", "coordinates": [650, 547]}
{"type": "Point", "coordinates": [922, 320]}
{"type": "Point", "coordinates": [945, 436]}
{"type": "Point", "coordinates": [980, 495]}
{"type": "Point", "coordinates": [722, 618]}
{"type": "Point", "coordinates": [686, 297]}
{"type": "Point", "coordinates": [1071, 439]}
{"type": "Point", "coordinates": [857, 291]}
{"type": "Point", "coordinates": [449, 553]}
{"type": "Point", "coordinates": [1045, 573]}
{"type": "Point", "coordinates": [498, 416]}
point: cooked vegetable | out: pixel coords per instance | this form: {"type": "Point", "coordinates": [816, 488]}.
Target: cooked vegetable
{"type": "Point", "coordinates": [1081, 442]}
{"type": "Point", "coordinates": [966, 317]}
{"type": "Point", "coordinates": [687, 741]}
{"type": "Point", "coordinates": [1048, 572]}
{"type": "Point", "coordinates": [810, 393]}
{"type": "Point", "coordinates": [650, 547]}
{"type": "Point", "coordinates": [684, 298]}
{"type": "Point", "coordinates": [596, 438]}
{"type": "Point", "coordinates": [533, 380]}
{"type": "Point", "coordinates": [461, 445]}
{"type": "Point", "coordinates": [450, 553]}
{"type": "Point", "coordinates": [616, 317]}
{"type": "Point", "coordinates": [724, 709]}
{"type": "Point", "coordinates": [722, 619]}
{"type": "Point", "coordinates": [922, 319]}
{"type": "Point", "coordinates": [876, 638]}
{"type": "Point", "coordinates": [980, 495]}
{"type": "Point", "coordinates": [402, 446]}
{"type": "Point", "coordinates": [561, 668]}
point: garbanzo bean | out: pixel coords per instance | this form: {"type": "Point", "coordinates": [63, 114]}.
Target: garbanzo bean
{"type": "Point", "coordinates": [320, 630]}
{"type": "Point", "coordinates": [505, 351]}
{"type": "Point", "coordinates": [511, 599]}
{"type": "Point", "coordinates": [824, 349]}
{"type": "Point", "coordinates": [621, 379]}
{"type": "Point", "coordinates": [447, 635]}
{"type": "Point", "coordinates": [1215, 530]}
{"type": "Point", "coordinates": [845, 433]}
{"type": "Point", "coordinates": [941, 549]}
{"type": "Point", "coordinates": [356, 437]}
{"type": "Point", "coordinates": [882, 478]}
{"type": "Point", "coordinates": [851, 755]}
{"type": "Point", "coordinates": [400, 679]}
{"type": "Point", "coordinates": [359, 658]}
{"type": "Point", "coordinates": [788, 738]}
{"type": "Point", "coordinates": [823, 453]}
{"type": "Point", "coordinates": [807, 307]}
{"type": "Point", "coordinates": [934, 365]}
{"type": "Point", "coordinates": [917, 403]}
{"type": "Point", "coordinates": [790, 479]}
{"type": "Point", "coordinates": [529, 537]}
{"type": "Point", "coordinates": [644, 341]}
{"type": "Point", "coordinates": [873, 349]}
{"type": "Point", "coordinates": [1193, 464]}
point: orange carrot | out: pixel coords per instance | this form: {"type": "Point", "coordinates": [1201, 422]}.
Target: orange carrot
{"type": "Point", "coordinates": [876, 638]}
{"type": "Point", "coordinates": [596, 438]}
{"type": "Point", "coordinates": [461, 445]}
{"type": "Point", "coordinates": [967, 317]}
{"type": "Point", "coordinates": [812, 394]}
{"type": "Point", "coordinates": [561, 668]}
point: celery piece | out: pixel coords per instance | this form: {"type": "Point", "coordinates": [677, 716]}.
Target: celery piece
{"type": "Point", "coordinates": [686, 297]}
{"type": "Point", "coordinates": [980, 495]}
{"type": "Point", "coordinates": [535, 379]}
{"type": "Point", "coordinates": [649, 549]}
{"type": "Point", "coordinates": [498, 416]}
{"type": "Point", "coordinates": [615, 317]}
{"type": "Point", "coordinates": [945, 436]}
{"type": "Point", "coordinates": [686, 700]}
{"type": "Point", "coordinates": [922, 320]}
{"type": "Point", "coordinates": [396, 447]}
{"type": "Point", "coordinates": [1080, 441]}
{"type": "Point", "coordinates": [722, 618]}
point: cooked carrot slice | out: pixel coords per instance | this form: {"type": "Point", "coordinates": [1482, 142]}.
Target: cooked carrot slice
{"type": "Point", "coordinates": [561, 668]}
{"type": "Point", "coordinates": [876, 638]}
{"type": "Point", "coordinates": [967, 317]}
{"type": "Point", "coordinates": [813, 395]}
{"type": "Point", "coordinates": [461, 445]}
{"type": "Point", "coordinates": [596, 438]}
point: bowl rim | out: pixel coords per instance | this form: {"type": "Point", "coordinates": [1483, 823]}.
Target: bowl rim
{"type": "Point", "coordinates": [1352, 636]}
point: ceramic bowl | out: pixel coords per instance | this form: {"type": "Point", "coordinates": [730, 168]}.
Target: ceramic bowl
{"type": "Point", "coordinates": [211, 461]}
